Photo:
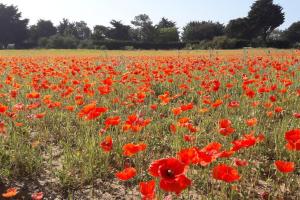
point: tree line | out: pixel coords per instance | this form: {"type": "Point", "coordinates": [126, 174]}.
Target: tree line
{"type": "Point", "coordinates": [257, 29]}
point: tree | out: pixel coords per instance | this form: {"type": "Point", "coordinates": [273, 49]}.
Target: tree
{"type": "Point", "coordinates": [292, 34]}
{"type": "Point", "coordinates": [100, 32]}
{"type": "Point", "coordinates": [165, 23]}
{"type": "Point", "coordinates": [167, 31]}
{"type": "Point", "coordinates": [145, 30]}
{"type": "Point", "coordinates": [197, 31]}
{"type": "Point", "coordinates": [264, 17]}
{"type": "Point", "coordinates": [66, 28]}
{"type": "Point", "coordinates": [83, 32]}
{"type": "Point", "coordinates": [238, 28]}
{"type": "Point", "coordinates": [79, 30]}
{"type": "Point", "coordinates": [119, 31]}
{"type": "Point", "coordinates": [168, 35]}
{"type": "Point", "coordinates": [43, 28]}
{"type": "Point", "coordinates": [13, 28]}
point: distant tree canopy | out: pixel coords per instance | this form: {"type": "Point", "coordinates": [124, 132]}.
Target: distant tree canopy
{"type": "Point", "coordinates": [167, 31]}
{"type": "Point", "coordinates": [79, 30]}
{"type": "Point", "coordinates": [197, 31]}
{"type": "Point", "coordinates": [13, 28]}
{"type": "Point", "coordinates": [292, 34]}
{"type": "Point", "coordinates": [165, 23]}
{"type": "Point", "coordinates": [145, 31]}
{"type": "Point", "coordinates": [257, 29]}
{"type": "Point", "coordinates": [43, 28]}
{"type": "Point", "coordinates": [100, 32]}
{"type": "Point", "coordinates": [238, 28]}
{"type": "Point", "coordinates": [119, 31]}
{"type": "Point", "coordinates": [264, 17]}
{"type": "Point", "coordinates": [82, 31]}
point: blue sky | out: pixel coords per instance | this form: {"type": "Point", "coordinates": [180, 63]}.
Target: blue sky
{"type": "Point", "coordinates": [182, 11]}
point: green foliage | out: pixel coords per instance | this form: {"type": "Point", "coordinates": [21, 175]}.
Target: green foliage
{"type": "Point", "coordinates": [62, 42]}
{"type": "Point", "coordinates": [13, 28]}
{"type": "Point", "coordinates": [165, 23]}
{"type": "Point", "coordinates": [197, 31]}
{"type": "Point", "coordinates": [292, 34]}
{"type": "Point", "coordinates": [168, 35]}
{"type": "Point", "coordinates": [86, 44]}
{"type": "Point", "coordinates": [238, 28]}
{"type": "Point", "coordinates": [43, 28]}
{"type": "Point", "coordinates": [118, 31]}
{"type": "Point", "coordinates": [220, 42]}
{"type": "Point", "coordinates": [264, 17]}
{"type": "Point", "coordinates": [79, 30]}
{"type": "Point", "coordinates": [100, 32]}
{"type": "Point", "coordinates": [144, 28]}
{"type": "Point", "coordinates": [116, 44]}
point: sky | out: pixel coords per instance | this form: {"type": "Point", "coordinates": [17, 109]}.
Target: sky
{"type": "Point", "coordinates": [101, 12]}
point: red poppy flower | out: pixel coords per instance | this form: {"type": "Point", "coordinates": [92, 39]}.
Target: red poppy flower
{"type": "Point", "coordinates": [108, 81]}
{"type": "Point", "coordinates": [226, 154]}
{"type": "Point", "coordinates": [176, 111]}
{"type": "Point", "coordinates": [285, 167]}
{"type": "Point", "coordinates": [103, 90]}
{"type": "Point", "coordinates": [250, 93]}
{"type": "Point", "coordinates": [13, 93]}
{"type": "Point", "coordinates": [293, 139]}
{"type": "Point", "coordinates": [225, 173]}
{"type": "Point", "coordinates": [112, 121]}
{"type": "Point", "coordinates": [147, 190]}
{"type": "Point", "coordinates": [187, 107]}
{"type": "Point", "coordinates": [173, 128]}
{"type": "Point", "coordinates": [126, 174]}
{"type": "Point", "coordinates": [240, 163]}
{"type": "Point", "coordinates": [251, 122]}
{"type": "Point", "coordinates": [189, 155]}
{"type": "Point", "coordinates": [171, 171]}
{"type": "Point", "coordinates": [91, 111]}
{"type": "Point", "coordinates": [296, 115]}
{"type": "Point", "coordinates": [95, 113]}
{"type": "Point", "coordinates": [131, 149]}
{"type": "Point", "coordinates": [135, 123]}
{"type": "Point", "coordinates": [225, 127]}
{"type": "Point", "coordinates": [37, 196]}
{"type": "Point", "coordinates": [107, 144]}
{"type": "Point", "coordinates": [273, 98]}
{"type": "Point", "coordinates": [233, 104]}
{"type": "Point", "coordinates": [3, 108]}
{"type": "Point", "coordinates": [217, 103]}
{"type": "Point", "coordinates": [247, 141]}
{"type": "Point", "coordinates": [39, 115]}
{"type": "Point", "coordinates": [165, 98]}
{"type": "Point", "coordinates": [153, 107]}
{"type": "Point", "coordinates": [33, 95]}
{"type": "Point", "coordinates": [11, 192]}
{"type": "Point", "coordinates": [177, 185]}
{"type": "Point", "coordinates": [278, 109]}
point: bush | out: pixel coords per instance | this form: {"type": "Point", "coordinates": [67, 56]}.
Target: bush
{"type": "Point", "coordinates": [102, 47]}
{"type": "Point", "coordinates": [62, 42]}
{"type": "Point", "coordinates": [116, 44]}
{"type": "Point", "coordinates": [280, 44]}
{"type": "Point", "coordinates": [297, 45]}
{"type": "Point", "coordinates": [86, 44]}
{"type": "Point", "coordinates": [43, 42]}
{"type": "Point", "coordinates": [129, 48]}
{"type": "Point", "coordinates": [221, 42]}
{"type": "Point", "coordinates": [258, 42]}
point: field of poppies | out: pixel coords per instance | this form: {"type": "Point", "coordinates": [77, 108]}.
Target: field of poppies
{"type": "Point", "coordinates": [150, 124]}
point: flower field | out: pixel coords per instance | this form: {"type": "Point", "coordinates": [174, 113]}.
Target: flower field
{"type": "Point", "coordinates": [150, 124]}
